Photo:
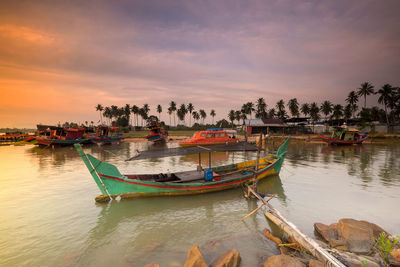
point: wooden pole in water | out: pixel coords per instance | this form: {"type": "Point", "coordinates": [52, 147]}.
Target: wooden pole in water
{"type": "Point", "coordinates": [301, 238]}
{"type": "Point", "coordinates": [257, 160]}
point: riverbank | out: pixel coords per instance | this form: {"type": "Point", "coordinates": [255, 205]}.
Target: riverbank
{"type": "Point", "coordinates": [378, 138]}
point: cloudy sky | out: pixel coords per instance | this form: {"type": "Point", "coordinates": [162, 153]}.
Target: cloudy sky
{"type": "Point", "coordinates": [59, 59]}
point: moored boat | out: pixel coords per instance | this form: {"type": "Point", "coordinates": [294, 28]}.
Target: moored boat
{"type": "Point", "coordinates": [59, 136]}
{"type": "Point", "coordinates": [213, 136]}
{"type": "Point", "coordinates": [157, 133]}
{"type": "Point", "coordinates": [112, 183]}
{"type": "Point", "coordinates": [345, 136]}
{"type": "Point", "coordinates": [105, 135]}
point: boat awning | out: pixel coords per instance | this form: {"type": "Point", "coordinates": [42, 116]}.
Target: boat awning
{"type": "Point", "coordinates": [181, 151]}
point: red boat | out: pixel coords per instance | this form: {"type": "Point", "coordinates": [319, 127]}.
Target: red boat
{"type": "Point", "coordinates": [105, 135]}
{"type": "Point", "coordinates": [63, 137]}
{"type": "Point", "coordinates": [157, 133]}
{"type": "Point", "coordinates": [213, 136]}
{"type": "Point", "coordinates": [344, 136]}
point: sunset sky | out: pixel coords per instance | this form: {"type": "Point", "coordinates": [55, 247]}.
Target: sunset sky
{"type": "Point", "coordinates": [59, 59]}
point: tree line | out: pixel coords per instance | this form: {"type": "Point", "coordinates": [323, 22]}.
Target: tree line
{"type": "Point", "coordinates": [121, 116]}
{"type": "Point", "coordinates": [389, 97]}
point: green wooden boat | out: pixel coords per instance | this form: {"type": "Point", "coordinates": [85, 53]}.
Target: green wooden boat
{"type": "Point", "coordinates": [112, 183]}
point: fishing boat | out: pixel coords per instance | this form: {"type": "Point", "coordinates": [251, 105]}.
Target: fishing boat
{"type": "Point", "coordinates": [112, 183]}
{"type": "Point", "coordinates": [345, 136]}
{"type": "Point", "coordinates": [105, 135]}
{"type": "Point", "coordinates": [157, 133]}
{"type": "Point", "coordinates": [59, 136]}
{"type": "Point", "coordinates": [213, 136]}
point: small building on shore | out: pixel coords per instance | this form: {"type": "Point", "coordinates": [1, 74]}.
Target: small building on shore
{"type": "Point", "coordinates": [265, 126]}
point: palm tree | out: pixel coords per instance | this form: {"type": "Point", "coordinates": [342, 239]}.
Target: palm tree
{"type": "Point", "coordinates": [183, 112]}
{"type": "Point", "coordinates": [337, 112]}
{"type": "Point", "coordinates": [365, 89]}
{"type": "Point", "coordinates": [212, 114]}
{"type": "Point", "coordinates": [169, 113]}
{"type": "Point", "coordinates": [127, 112]}
{"type": "Point", "coordinates": [272, 113]}
{"type": "Point", "coordinates": [250, 108]}
{"type": "Point", "coordinates": [135, 110]}
{"type": "Point", "coordinates": [107, 113]}
{"type": "Point", "coordinates": [348, 110]}
{"type": "Point", "coordinates": [326, 108]}
{"type": "Point", "coordinates": [385, 93]}
{"type": "Point", "coordinates": [261, 111]}
{"type": "Point", "coordinates": [195, 116]}
{"type": "Point", "coordinates": [172, 106]}
{"type": "Point", "coordinates": [352, 100]}
{"type": "Point", "coordinates": [159, 110]}
{"type": "Point", "coordinates": [238, 115]}
{"type": "Point", "coordinates": [305, 109]}
{"type": "Point", "coordinates": [280, 105]}
{"type": "Point", "coordinates": [231, 116]}
{"type": "Point", "coordinates": [203, 114]}
{"type": "Point", "coordinates": [314, 113]}
{"type": "Point", "coordinates": [294, 107]}
{"type": "Point", "coordinates": [190, 108]}
{"type": "Point", "coordinates": [100, 108]}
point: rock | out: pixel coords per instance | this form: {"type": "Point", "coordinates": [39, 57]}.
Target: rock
{"type": "Point", "coordinates": [269, 235]}
{"type": "Point", "coordinates": [338, 244]}
{"type": "Point", "coordinates": [351, 259]}
{"type": "Point", "coordinates": [315, 263]}
{"type": "Point", "coordinates": [230, 258]}
{"type": "Point", "coordinates": [282, 260]}
{"type": "Point", "coordinates": [358, 235]}
{"type": "Point", "coordinates": [395, 254]}
{"type": "Point", "coordinates": [327, 232]}
{"type": "Point", "coordinates": [376, 229]}
{"type": "Point", "coordinates": [152, 265]}
{"type": "Point", "coordinates": [194, 258]}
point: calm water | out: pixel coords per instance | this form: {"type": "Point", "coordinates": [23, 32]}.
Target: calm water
{"type": "Point", "coordinates": [49, 217]}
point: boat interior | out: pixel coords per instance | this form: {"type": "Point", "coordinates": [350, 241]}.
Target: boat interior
{"type": "Point", "coordinates": [227, 172]}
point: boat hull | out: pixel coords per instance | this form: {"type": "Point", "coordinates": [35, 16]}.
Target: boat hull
{"type": "Point", "coordinates": [111, 182]}
{"type": "Point", "coordinates": [56, 142]}
{"type": "Point", "coordinates": [340, 142]}
{"type": "Point", "coordinates": [187, 144]}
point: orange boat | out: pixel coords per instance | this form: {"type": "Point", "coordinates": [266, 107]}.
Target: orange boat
{"type": "Point", "coordinates": [214, 136]}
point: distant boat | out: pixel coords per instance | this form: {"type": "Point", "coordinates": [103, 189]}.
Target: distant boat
{"type": "Point", "coordinates": [112, 183]}
{"type": "Point", "coordinates": [105, 135]}
{"type": "Point", "coordinates": [59, 136]}
{"type": "Point", "coordinates": [157, 133]}
{"type": "Point", "coordinates": [212, 136]}
{"type": "Point", "coordinates": [345, 136]}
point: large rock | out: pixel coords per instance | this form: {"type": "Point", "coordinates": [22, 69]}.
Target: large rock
{"type": "Point", "coordinates": [230, 258]}
{"type": "Point", "coordinates": [351, 259]}
{"type": "Point", "coordinates": [327, 232]}
{"type": "Point", "coordinates": [282, 261]}
{"type": "Point", "coordinates": [152, 265]}
{"type": "Point", "coordinates": [194, 258]}
{"type": "Point", "coordinates": [359, 236]}
{"type": "Point", "coordinates": [396, 254]}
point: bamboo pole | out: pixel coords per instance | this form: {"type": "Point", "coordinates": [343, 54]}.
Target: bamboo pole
{"type": "Point", "coordinates": [301, 238]}
{"type": "Point", "coordinates": [258, 159]}
{"type": "Point", "coordinates": [259, 207]}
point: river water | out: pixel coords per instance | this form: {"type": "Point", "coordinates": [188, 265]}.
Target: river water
{"type": "Point", "coordinates": [49, 217]}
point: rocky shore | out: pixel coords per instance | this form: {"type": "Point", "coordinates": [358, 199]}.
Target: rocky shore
{"type": "Point", "coordinates": [352, 242]}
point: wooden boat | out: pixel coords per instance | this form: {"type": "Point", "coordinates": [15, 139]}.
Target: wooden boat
{"type": "Point", "coordinates": [105, 135]}
{"type": "Point", "coordinates": [157, 133]}
{"type": "Point", "coordinates": [63, 137]}
{"type": "Point", "coordinates": [112, 183]}
{"type": "Point", "coordinates": [344, 136]}
{"type": "Point", "coordinates": [213, 136]}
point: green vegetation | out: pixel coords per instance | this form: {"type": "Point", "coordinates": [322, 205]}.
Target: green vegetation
{"type": "Point", "coordinates": [385, 246]}
{"type": "Point", "coordinates": [334, 114]}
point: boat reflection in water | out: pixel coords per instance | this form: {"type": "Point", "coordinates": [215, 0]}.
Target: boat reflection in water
{"type": "Point", "coordinates": [162, 229]}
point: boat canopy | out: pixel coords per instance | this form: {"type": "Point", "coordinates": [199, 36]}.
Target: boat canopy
{"type": "Point", "coordinates": [214, 129]}
{"type": "Point", "coordinates": [181, 151]}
